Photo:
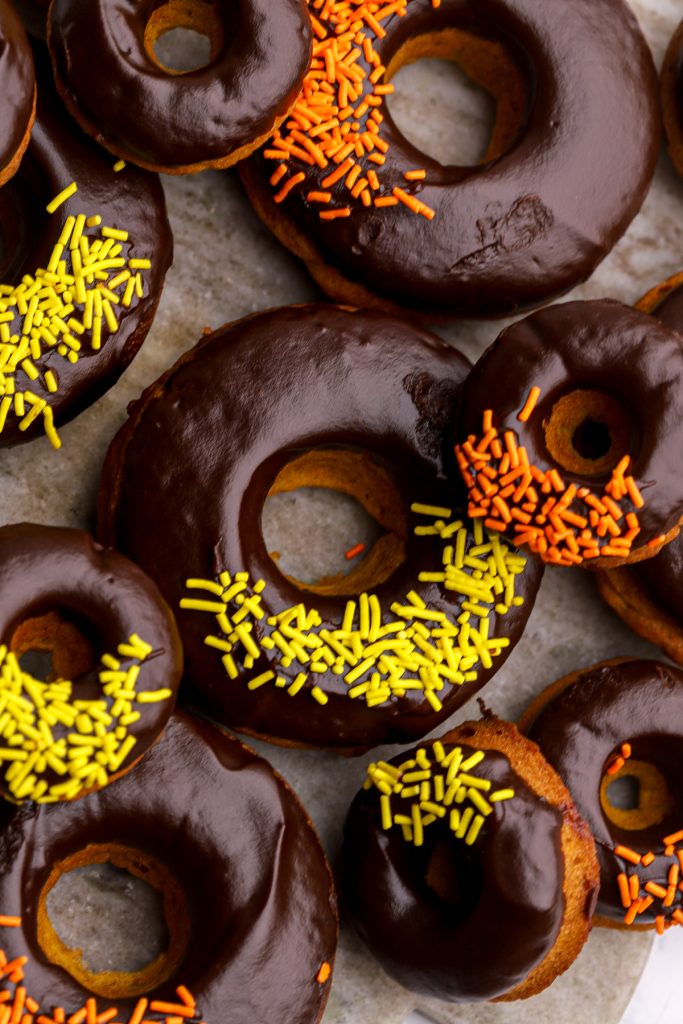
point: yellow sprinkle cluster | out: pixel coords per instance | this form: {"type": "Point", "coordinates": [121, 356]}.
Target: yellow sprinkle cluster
{"type": "Point", "coordinates": [87, 279]}
{"type": "Point", "coordinates": [380, 656]}
{"type": "Point", "coordinates": [424, 790]}
{"type": "Point", "coordinates": [94, 740]}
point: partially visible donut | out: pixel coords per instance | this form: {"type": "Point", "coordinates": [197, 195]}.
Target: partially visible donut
{"type": "Point", "coordinates": [672, 97]}
{"type": "Point", "coordinates": [571, 434]}
{"type": "Point", "coordinates": [467, 868]}
{"type": "Point", "coordinates": [115, 664]}
{"type": "Point", "coordinates": [381, 224]}
{"type": "Point", "coordinates": [17, 91]}
{"type": "Point", "coordinates": [248, 897]}
{"type": "Point", "coordinates": [34, 15]}
{"type": "Point", "coordinates": [622, 720]}
{"type": "Point", "coordinates": [112, 82]}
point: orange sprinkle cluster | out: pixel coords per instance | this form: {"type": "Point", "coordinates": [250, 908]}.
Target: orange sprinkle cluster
{"type": "Point", "coordinates": [336, 122]}
{"type": "Point", "coordinates": [637, 897]}
{"type": "Point", "coordinates": [18, 1007]}
{"type": "Point", "coordinates": [619, 760]}
{"type": "Point", "coordinates": [563, 523]}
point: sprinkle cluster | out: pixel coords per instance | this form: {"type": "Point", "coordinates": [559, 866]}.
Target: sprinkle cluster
{"type": "Point", "coordinates": [336, 123]}
{"type": "Point", "coordinates": [95, 739]}
{"type": "Point", "coordinates": [53, 310]}
{"type": "Point", "coordinates": [421, 791]}
{"type": "Point", "coordinates": [380, 656]}
{"type": "Point", "coordinates": [637, 897]}
{"type": "Point", "coordinates": [18, 1007]}
{"type": "Point", "coordinates": [563, 523]}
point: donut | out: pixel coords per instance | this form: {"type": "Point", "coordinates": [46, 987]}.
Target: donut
{"type": "Point", "coordinates": [380, 223]}
{"type": "Point", "coordinates": [613, 721]}
{"type": "Point", "coordinates": [68, 210]}
{"type": "Point", "coordinates": [648, 596]}
{"type": "Point", "coordinates": [33, 13]}
{"type": "Point", "coordinates": [118, 90]}
{"type": "Point", "coordinates": [18, 91]}
{"type": "Point", "coordinates": [571, 435]}
{"type": "Point", "coordinates": [672, 97]}
{"type": "Point", "coordinates": [467, 869]}
{"type": "Point", "coordinates": [319, 396]}
{"type": "Point", "coordinates": [248, 897]}
{"type": "Point", "coordinates": [114, 664]}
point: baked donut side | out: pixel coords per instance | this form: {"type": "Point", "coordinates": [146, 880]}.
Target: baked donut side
{"type": "Point", "coordinates": [424, 846]}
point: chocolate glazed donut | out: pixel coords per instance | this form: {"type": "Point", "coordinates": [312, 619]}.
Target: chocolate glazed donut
{"type": "Point", "coordinates": [582, 724]}
{"type": "Point", "coordinates": [34, 15]}
{"type": "Point", "coordinates": [590, 394]}
{"type": "Point", "coordinates": [248, 896]}
{"type": "Point", "coordinates": [523, 227]}
{"type": "Point", "coordinates": [121, 94]}
{"type": "Point", "coordinates": [133, 200]}
{"type": "Point", "coordinates": [64, 595]}
{"type": "Point", "coordinates": [308, 396]}
{"type": "Point", "coordinates": [672, 97]}
{"type": "Point", "coordinates": [17, 89]}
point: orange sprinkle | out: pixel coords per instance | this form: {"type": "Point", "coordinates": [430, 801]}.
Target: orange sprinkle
{"type": "Point", "coordinates": [319, 197]}
{"type": "Point", "coordinates": [627, 854]}
{"type": "Point", "coordinates": [647, 859]}
{"type": "Point", "coordinates": [352, 552]}
{"type": "Point", "coordinates": [288, 186]}
{"type": "Point", "coordinates": [657, 890]}
{"type": "Point", "coordinates": [529, 405]}
{"type": "Point", "coordinates": [278, 174]}
{"type": "Point", "coordinates": [9, 922]}
{"type": "Point", "coordinates": [624, 890]}
{"type": "Point", "coordinates": [675, 837]}
{"type": "Point", "coordinates": [139, 1011]}
{"type": "Point", "coordinates": [323, 973]}
{"type": "Point", "coordinates": [334, 214]}
{"type": "Point", "coordinates": [415, 175]}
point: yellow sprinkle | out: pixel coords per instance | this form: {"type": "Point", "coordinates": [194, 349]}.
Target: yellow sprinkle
{"type": "Point", "coordinates": [63, 196]}
{"type": "Point", "coordinates": [318, 695]}
{"type": "Point", "coordinates": [257, 681]}
{"type": "Point", "coordinates": [119, 166]}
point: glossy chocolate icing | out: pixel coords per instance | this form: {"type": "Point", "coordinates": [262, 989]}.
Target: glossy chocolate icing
{"type": "Point", "coordinates": [506, 902]}
{"type": "Point", "coordinates": [672, 93]}
{"type": "Point", "coordinates": [61, 570]}
{"type": "Point", "coordinates": [221, 424]}
{"type": "Point", "coordinates": [234, 835]}
{"type": "Point", "coordinates": [130, 104]}
{"type": "Point", "coordinates": [34, 15]}
{"type": "Point", "coordinates": [599, 345]}
{"type": "Point", "coordinates": [528, 226]}
{"type": "Point", "coordinates": [640, 702]}
{"type": "Point", "coordinates": [17, 84]}
{"type": "Point", "coordinates": [132, 200]}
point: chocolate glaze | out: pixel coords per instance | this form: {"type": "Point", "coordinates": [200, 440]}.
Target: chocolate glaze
{"type": "Point", "coordinates": [509, 905]}
{"type": "Point", "coordinates": [528, 226]}
{"type": "Point", "coordinates": [672, 92]}
{"type": "Point", "coordinates": [640, 702]}
{"type": "Point", "coordinates": [54, 569]}
{"type": "Point", "coordinates": [132, 200]}
{"type": "Point", "coordinates": [599, 345]}
{"type": "Point", "coordinates": [17, 84]}
{"type": "Point", "coordinates": [221, 424]}
{"type": "Point", "coordinates": [130, 104]}
{"type": "Point", "coordinates": [34, 15]}
{"type": "Point", "coordinates": [234, 835]}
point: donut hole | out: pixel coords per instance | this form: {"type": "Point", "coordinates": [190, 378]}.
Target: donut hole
{"type": "Point", "coordinates": [122, 906]}
{"type": "Point", "coordinates": [355, 494]}
{"type": "Point", "coordinates": [55, 645]}
{"type": "Point", "coordinates": [588, 432]}
{"type": "Point", "coordinates": [637, 798]}
{"type": "Point", "coordinates": [183, 36]}
{"type": "Point", "coordinates": [453, 875]}
{"type": "Point", "coordinates": [478, 96]}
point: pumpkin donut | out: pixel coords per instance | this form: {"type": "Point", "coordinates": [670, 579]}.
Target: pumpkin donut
{"type": "Point", "coordinates": [571, 435]}
{"type": "Point", "coordinates": [248, 897]}
{"type": "Point", "coordinates": [467, 868]}
{"type": "Point", "coordinates": [615, 721]}
{"type": "Point", "coordinates": [672, 97]}
{"type": "Point", "coordinates": [315, 396]}
{"type": "Point", "coordinates": [170, 121]}
{"type": "Point", "coordinates": [115, 664]}
{"type": "Point", "coordinates": [17, 89]}
{"type": "Point", "coordinates": [380, 223]}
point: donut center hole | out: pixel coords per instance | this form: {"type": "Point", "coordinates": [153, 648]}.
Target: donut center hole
{"type": "Point", "coordinates": [478, 97]}
{"type": "Point", "coordinates": [588, 433]}
{"type": "Point", "coordinates": [55, 645]}
{"type": "Point", "coordinates": [184, 35]}
{"type": "Point", "coordinates": [114, 919]}
{"type": "Point", "coordinates": [636, 797]}
{"type": "Point", "coordinates": [335, 523]}
{"type": "Point", "coordinates": [452, 875]}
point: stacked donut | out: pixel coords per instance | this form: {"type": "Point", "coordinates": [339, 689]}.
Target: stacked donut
{"type": "Point", "coordinates": [473, 865]}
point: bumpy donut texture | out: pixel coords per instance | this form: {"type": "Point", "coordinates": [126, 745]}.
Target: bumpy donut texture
{"type": "Point", "coordinates": [622, 719]}
{"type": "Point", "coordinates": [488, 892]}
{"type": "Point", "coordinates": [115, 663]}
{"type": "Point", "coordinates": [213, 116]}
{"type": "Point", "coordinates": [248, 896]}
{"type": "Point", "coordinates": [327, 397]}
{"type": "Point", "coordinates": [380, 223]}
{"type": "Point", "coordinates": [17, 89]}
{"type": "Point", "coordinates": [571, 435]}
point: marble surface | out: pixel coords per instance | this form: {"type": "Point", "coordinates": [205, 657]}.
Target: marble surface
{"type": "Point", "coordinates": [226, 266]}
